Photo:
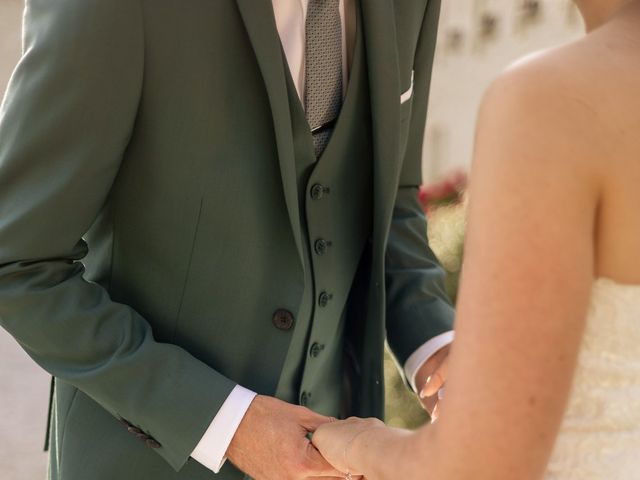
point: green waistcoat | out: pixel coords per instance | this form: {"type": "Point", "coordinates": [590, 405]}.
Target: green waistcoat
{"type": "Point", "coordinates": [335, 218]}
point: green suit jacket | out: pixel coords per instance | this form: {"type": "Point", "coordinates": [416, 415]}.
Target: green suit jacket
{"type": "Point", "coordinates": [149, 216]}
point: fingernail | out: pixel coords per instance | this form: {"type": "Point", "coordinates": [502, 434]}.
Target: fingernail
{"type": "Point", "coordinates": [423, 392]}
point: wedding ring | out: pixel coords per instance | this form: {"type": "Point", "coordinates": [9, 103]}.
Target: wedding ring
{"type": "Point", "coordinates": [348, 476]}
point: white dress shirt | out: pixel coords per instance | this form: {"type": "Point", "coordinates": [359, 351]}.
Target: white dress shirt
{"type": "Point", "coordinates": [211, 451]}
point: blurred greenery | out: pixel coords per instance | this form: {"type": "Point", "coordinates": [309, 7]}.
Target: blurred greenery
{"type": "Point", "coordinates": [446, 237]}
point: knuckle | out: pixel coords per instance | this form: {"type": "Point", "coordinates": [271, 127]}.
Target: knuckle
{"type": "Point", "coordinates": [293, 468]}
{"type": "Point", "coordinates": [302, 411]}
{"type": "Point", "coordinates": [304, 468]}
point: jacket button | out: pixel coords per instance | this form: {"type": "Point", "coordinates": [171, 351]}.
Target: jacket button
{"type": "Point", "coordinates": [318, 191]}
{"type": "Point", "coordinates": [321, 246]}
{"type": "Point", "coordinates": [152, 443]}
{"type": "Point", "coordinates": [135, 431]}
{"type": "Point", "coordinates": [316, 349]}
{"type": "Point", "coordinates": [282, 319]}
{"type": "Point", "coordinates": [304, 399]}
{"type": "Point", "coordinates": [323, 299]}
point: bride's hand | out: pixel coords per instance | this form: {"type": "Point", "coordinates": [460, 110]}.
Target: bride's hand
{"type": "Point", "coordinates": [335, 440]}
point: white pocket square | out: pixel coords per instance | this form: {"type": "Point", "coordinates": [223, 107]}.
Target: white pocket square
{"type": "Point", "coordinates": [407, 95]}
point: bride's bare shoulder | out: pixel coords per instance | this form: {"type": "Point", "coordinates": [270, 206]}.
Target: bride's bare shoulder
{"type": "Point", "coordinates": [577, 99]}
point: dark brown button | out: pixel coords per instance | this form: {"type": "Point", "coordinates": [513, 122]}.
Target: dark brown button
{"type": "Point", "coordinates": [316, 349]}
{"type": "Point", "coordinates": [318, 191]}
{"type": "Point", "coordinates": [282, 319]}
{"type": "Point", "coordinates": [323, 299]}
{"type": "Point", "coordinates": [134, 430]}
{"type": "Point", "coordinates": [152, 443]}
{"type": "Point", "coordinates": [321, 246]}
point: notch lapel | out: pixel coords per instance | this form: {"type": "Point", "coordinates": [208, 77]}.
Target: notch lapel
{"type": "Point", "coordinates": [260, 23]}
{"type": "Point", "coordinates": [384, 81]}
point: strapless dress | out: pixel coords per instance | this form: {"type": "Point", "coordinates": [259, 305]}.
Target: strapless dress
{"type": "Point", "coordinates": [600, 434]}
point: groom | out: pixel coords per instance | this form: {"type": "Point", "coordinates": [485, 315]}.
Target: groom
{"type": "Point", "coordinates": [205, 200]}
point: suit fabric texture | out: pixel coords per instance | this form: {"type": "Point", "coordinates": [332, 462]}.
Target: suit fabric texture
{"type": "Point", "coordinates": [160, 215]}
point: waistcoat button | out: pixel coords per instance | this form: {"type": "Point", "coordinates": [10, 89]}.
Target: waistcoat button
{"type": "Point", "coordinates": [318, 191]}
{"type": "Point", "coordinates": [282, 319]}
{"type": "Point", "coordinates": [323, 299]}
{"type": "Point", "coordinates": [321, 246]}
{"type": "Point", "coordinates": [304, 398]}
{"type": "Point", "coordinates": [316, 349]}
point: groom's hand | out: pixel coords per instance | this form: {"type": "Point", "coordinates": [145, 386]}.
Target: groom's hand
{"type": "Point", "coordinates": [431, 378]}
{"type": "Point", "coordinates": [271, 442]}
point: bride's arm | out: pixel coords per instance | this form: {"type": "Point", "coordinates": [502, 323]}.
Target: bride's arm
{"type": "Point", "coordinates": [525, 290]}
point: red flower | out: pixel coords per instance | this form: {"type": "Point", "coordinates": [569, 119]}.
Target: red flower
{"type": "Point", "coordinates": [446, 191]}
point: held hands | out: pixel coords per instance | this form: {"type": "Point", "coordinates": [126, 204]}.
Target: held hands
{"type": "Point", "coordinates": [335, 441]}
{"type": "Point", "coordinates": [271, 443]}
{"type": "Point", "coordinates": [430, 379]}
{"type": "Point", "coordinates": [338, 441]}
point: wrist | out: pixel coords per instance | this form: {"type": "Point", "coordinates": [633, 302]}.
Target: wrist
{"type": "Point", "coordinates": [354, 447]}
{"type": "Point", "coordinates": [244, 430]}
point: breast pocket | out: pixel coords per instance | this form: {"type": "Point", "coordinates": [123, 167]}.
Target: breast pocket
{"type": "Point", "coordinates": [407, 95]}
{"type": "Point", "coordinates": [406, 99]}
{"type": "Point", "coordinates": [406, 104]}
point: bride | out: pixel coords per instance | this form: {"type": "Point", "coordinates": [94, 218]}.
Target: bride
{"type": "Point", "coordinates": [544, 375]}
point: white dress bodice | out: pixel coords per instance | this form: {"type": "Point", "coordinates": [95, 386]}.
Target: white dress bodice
{"type": "Point", "coordinates": [600, 435]}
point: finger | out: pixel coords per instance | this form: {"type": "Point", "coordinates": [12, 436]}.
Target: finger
{"type": "Point", "coordinates": [311, 420]}
{"type": "Point", "coordinates": [436, 413]}
{"type": "Point", "coordinates": [430, 404]}
{"type": "Point", "coordinates": [436, 381]}
{"type": "Point", "coordinates": [341, 477]}
{"type": "Point", "coordinates": [433, 384]}
{"type": "Point", "coordinates": [319, 467]}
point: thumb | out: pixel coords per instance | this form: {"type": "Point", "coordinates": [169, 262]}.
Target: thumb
{"type": "Point", "coordinates": [436, 381]}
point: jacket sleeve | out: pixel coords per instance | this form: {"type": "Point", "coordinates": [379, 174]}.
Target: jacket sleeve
{"type": "Point", "coordinates": [418, 308]}
{"type": "Point", "coordinates": [64, 124]}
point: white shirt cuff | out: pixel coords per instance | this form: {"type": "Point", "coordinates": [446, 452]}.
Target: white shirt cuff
{"type": "Point", "coordinates": [424, 353]}
{"type": "Point", "coordinates": [212, 449]}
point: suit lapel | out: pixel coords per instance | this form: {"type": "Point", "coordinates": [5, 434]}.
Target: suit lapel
{"type": "Point", "coordinates": [260, 24]}
{"type": "Point", "coordinates": [382, 60]}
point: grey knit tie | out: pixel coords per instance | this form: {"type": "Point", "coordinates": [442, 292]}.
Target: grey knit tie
{"type": "Point", "coordinates": [323, 84]}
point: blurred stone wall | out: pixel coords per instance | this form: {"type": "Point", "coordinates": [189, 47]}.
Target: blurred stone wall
{"type": "Point", "coordinates": [477, 40]}
{"type": "Point", "coordinates": [10, 34]}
